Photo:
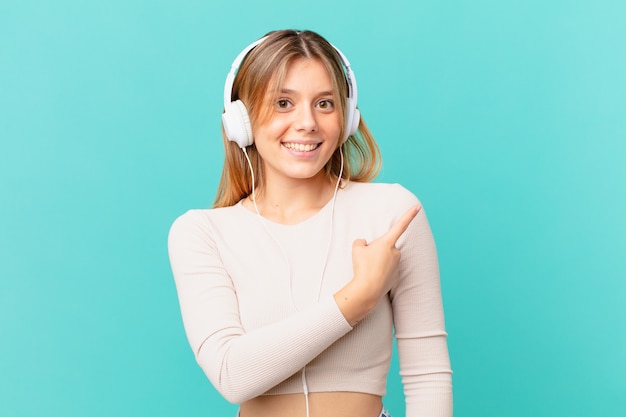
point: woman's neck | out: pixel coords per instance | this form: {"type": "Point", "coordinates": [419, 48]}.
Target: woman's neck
{"type": "Point", "coordinates": [291, 202]}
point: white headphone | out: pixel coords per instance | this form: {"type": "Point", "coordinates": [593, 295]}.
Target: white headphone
{"type": "Point", "coordinates": [237, 122]}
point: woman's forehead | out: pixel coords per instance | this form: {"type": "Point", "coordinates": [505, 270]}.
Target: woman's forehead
{"type": "Point", "coordinates": [301, 71]}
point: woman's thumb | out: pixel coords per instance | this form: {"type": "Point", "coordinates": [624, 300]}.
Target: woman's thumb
{"type": "Point", "coordinates": [359, 243]}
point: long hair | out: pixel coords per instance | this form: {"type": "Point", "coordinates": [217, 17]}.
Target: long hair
{"type": "Point", "coordinates": [261, 73]}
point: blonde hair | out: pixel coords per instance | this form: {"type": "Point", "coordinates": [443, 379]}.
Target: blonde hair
{"type": "Point", "coordinates": [264, 68]}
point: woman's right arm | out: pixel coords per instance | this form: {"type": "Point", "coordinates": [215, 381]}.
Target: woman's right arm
{"type": "Point", "coordinates": [241, 365]}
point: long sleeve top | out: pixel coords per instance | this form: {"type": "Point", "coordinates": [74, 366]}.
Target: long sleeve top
{"type": "Point", "coordinates": [257, 302]}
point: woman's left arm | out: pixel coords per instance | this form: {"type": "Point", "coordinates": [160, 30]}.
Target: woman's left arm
{"type": "Point", "coordinates": [419, 325]}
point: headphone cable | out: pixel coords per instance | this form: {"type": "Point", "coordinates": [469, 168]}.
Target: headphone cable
{"type": "Point", "coordinates": [305, 387]}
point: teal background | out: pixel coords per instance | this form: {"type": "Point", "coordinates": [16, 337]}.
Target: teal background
{"type": "Point", "coordinates": [506, 118]}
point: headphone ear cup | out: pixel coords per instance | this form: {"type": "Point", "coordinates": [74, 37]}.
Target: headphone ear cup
{"type": "Point", "coordinates": [237, 124]}
{"type": "Point", "coordinates": [352, 119]}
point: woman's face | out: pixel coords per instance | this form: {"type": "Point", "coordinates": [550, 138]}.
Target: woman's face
{"type": "Point", "coordinates": [303, 131]}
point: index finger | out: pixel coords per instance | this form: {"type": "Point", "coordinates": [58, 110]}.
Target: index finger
{"type": "Point", "coordinates": [399, 227]}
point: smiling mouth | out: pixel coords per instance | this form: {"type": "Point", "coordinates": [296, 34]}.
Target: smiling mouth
{"type": "Point", "coordinates": [301, 147]}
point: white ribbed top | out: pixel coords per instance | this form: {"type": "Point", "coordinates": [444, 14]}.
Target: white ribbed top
{"type": "Point", "coordinates": [250, 306]}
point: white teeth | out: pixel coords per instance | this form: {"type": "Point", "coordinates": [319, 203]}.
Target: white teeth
{"type": "Point", "coordinates": [300, 147]}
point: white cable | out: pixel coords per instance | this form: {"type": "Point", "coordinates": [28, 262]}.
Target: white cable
{"type": "Point", "coordinates": [305, 387]}
{"type": "Point", "coordinates": [264, 223]}
{"type": "Point", "coordinates": [332, 218]}
{"type": "Point", "coordinates": [330, 236]}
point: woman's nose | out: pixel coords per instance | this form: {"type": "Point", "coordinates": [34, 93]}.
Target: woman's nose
{"type": "Point", "coordinates": [305, 119]}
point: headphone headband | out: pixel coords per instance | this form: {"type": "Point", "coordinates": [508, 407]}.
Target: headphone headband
{"type": "Point", "coordinates": [352, 93]}
{"type": "Point", "coordinates": [236, 120]}
{"type": "Point", "coordinates": [230, 78]}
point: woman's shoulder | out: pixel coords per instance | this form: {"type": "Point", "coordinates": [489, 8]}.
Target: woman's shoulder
{"type": "Point", "coordinates": [204, 219]}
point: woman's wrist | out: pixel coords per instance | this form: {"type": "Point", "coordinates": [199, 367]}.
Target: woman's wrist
{"type": "Point", "coordinates": [355, 302]}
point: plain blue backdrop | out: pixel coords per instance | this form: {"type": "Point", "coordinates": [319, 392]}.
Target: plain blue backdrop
{"type": "Point", "coordinates": [506, 118]}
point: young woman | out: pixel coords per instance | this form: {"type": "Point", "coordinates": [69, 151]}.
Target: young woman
{"type": "Point", "coordinates": [292, 287]}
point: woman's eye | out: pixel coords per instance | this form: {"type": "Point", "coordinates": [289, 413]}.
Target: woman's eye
{"type": "Point", "coordinates": [283, 104]}
{"type": "Point", "coordinates": [325, 104]}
